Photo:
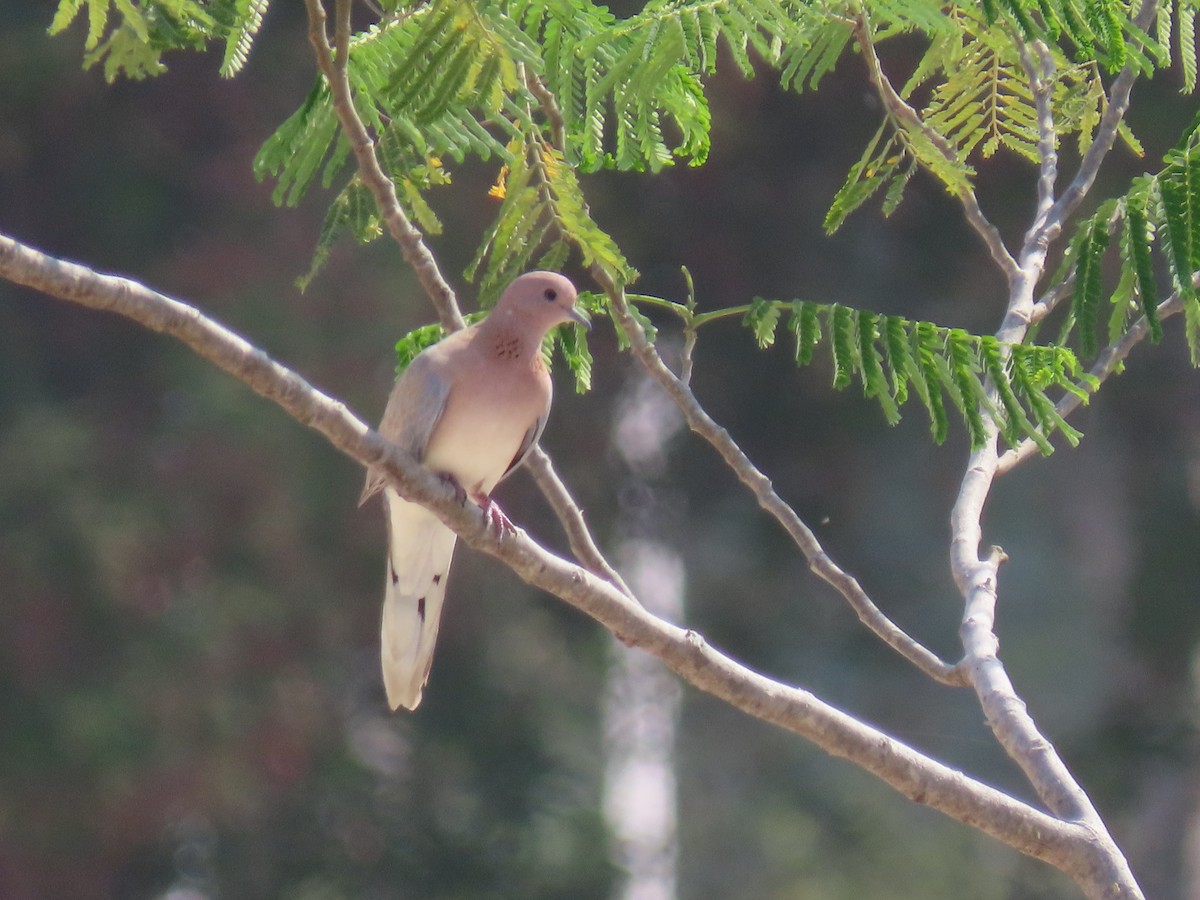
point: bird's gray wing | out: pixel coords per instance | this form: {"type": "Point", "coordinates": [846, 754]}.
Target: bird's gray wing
{"type": "Point", "coordinates": [413, 410]}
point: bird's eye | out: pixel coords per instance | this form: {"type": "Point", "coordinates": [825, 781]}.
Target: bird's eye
{"type": "Point", "coordinates": [550, 294]}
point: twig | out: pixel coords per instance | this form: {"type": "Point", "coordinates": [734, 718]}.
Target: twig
{"type": "Point", "coordinates": [1068, 846]}
{"type": "Point", "coordinates": [412, 243]}
{"type": "Point", "coordinates": [583, 545]}
{"type": "Point", "coordinates": [893, 102]}
{"type": "Point", "coordinates": [549, 106]}
{"type": "Point", "coordinates": [1106, 363]}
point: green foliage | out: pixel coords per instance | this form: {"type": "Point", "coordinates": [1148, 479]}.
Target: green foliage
{"type": "Point", "coordinates": [1099, 30]}
{"type": "Point", "coordinates": [979, 97]}
{"type": "Point", "coordinates": [572, 344]}
{"type": "Point", "coordinates": [885, 161]}
{"type": "Point", "coordinates": [542, 202]}
{"type": "Point", "coordinates": [894, 358]}
{"type": "Point", "coordinates": [130, 38]}
{"type": "Point", "coordinates": [548, 90]}
{"type": "Point", "coordinates": [1090, 244]}
{"type": "Point", "coordinates": [985, 101]}
{"type": "Point", "coordinates": [1159, 217]}
{"type": "Point", "coordinates": [763, 318]}
{"type": "Point", "coordinates": [242, 28]}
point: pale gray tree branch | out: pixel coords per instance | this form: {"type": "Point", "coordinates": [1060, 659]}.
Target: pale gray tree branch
{"type": "Point", "coordinates": [569, 514]}
{"type": "Point", "coordinates": [977, 576]}
{"type": "Point", "coordinates": [1069, 846]}
{"type": "Point", "coordinates": [1041, 84]}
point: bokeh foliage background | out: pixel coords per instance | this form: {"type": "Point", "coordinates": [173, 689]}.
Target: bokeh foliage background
{"type": "Point", "coordinates": [189, 597]}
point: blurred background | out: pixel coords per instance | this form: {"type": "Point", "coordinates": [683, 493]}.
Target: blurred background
{"type": "Point", "coordinates": [190, 704]}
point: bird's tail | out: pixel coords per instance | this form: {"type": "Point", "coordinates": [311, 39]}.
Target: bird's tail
{"type": "Point", "coordinates": [419, 551]}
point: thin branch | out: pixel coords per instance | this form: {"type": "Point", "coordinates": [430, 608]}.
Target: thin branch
{"type": "Point", "coordinates": [1041, 85]}
{"type": "Point", "coordinates": [1050, 300]}
{"type": "Point", "coordinates": [549, 106]}
{"type": "Point", "coordinates": [1108, 362]}
{"type": "Point", "coordinates": [412, 243]}
{"type": "Point", "coordinates": [1068, 846]}
{"type": "Point", "coordinates": [1102, 140]}
{"type": "Point", "coordinates": [820, 563]}
{"type": "Point", "coordinates": [583, 545]}
{"type": "Point", "coordinates": [895, 104]}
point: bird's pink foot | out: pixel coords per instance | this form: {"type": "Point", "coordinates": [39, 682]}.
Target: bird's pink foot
{"type": "Point", "coordinates": [498, 522]}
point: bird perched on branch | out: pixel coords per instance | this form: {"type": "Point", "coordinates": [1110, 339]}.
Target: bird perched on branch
{"type": "Point", "coordinates": [470, 408]}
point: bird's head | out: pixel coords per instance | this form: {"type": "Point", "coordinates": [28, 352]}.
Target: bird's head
{"type": "Point", "coordinates": [542, 300]}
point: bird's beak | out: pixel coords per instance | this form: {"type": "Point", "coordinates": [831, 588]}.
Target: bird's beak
{"type": "Point", "coordinates": [579, 317]}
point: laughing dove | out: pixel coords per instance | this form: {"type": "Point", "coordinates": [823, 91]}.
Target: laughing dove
{"type": "Point", "coordinates": [469, 408]}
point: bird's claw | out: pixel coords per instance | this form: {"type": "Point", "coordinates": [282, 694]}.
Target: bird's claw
{"type": "Point", "coordinates": [498, 522]}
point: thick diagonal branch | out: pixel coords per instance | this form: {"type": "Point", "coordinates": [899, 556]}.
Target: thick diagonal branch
{"type": "Point", "coordinates": [1065, 845]}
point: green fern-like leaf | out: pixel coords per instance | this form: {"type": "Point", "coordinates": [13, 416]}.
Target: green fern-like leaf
{"type": "Point", "coordinates": [878, 165]}
{"type": "Point", "coordinates": [900, 358]}
{"type": "Point", "coordinates": [353, 210]}
{"type": "Point", "coordinates": [1016, 423]}
{"type": "Point", "coordinates": [967, 392]}
{"type": "Point", "coordinates": [844, 346]}
{"type": "Point", "coordinates": [875, 383]}
{"type": "Point", "coordinates": [806, 325]}
{"type": "Point", "coordinates": [516, 233]}
{"type": "Point", "coordinates": [895, 358]}
{"type": "Point", "coordinates": [573, 344]}
{"type": "Point", "coordinates": [248, 17]}
{"type": "Point", "coordinates": [1191, 316]}
{"type": "Point", "coordinates": [1187, 43]}
{"type": "Point", "coordinates": [1179, 190]}
{"type": "Point", "coordinates": [129, 39]}
{"type": "Point", "coordinates": [763, 318]}
{"type": "Point", "coordinates": [1138, 236]}
{"type": "Point", "coordinates": [1089, 251]}
{"type": "Point", "coordinates": [565, 201]}
{"type": "Point", "coordinates": [985, 101]}
{"type": "Point", "coordinates": [805, 63]}
{"type": "Point", "coordinates": [1029, 379]}
{"type": "Point", "coordinates": [929, 384]}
